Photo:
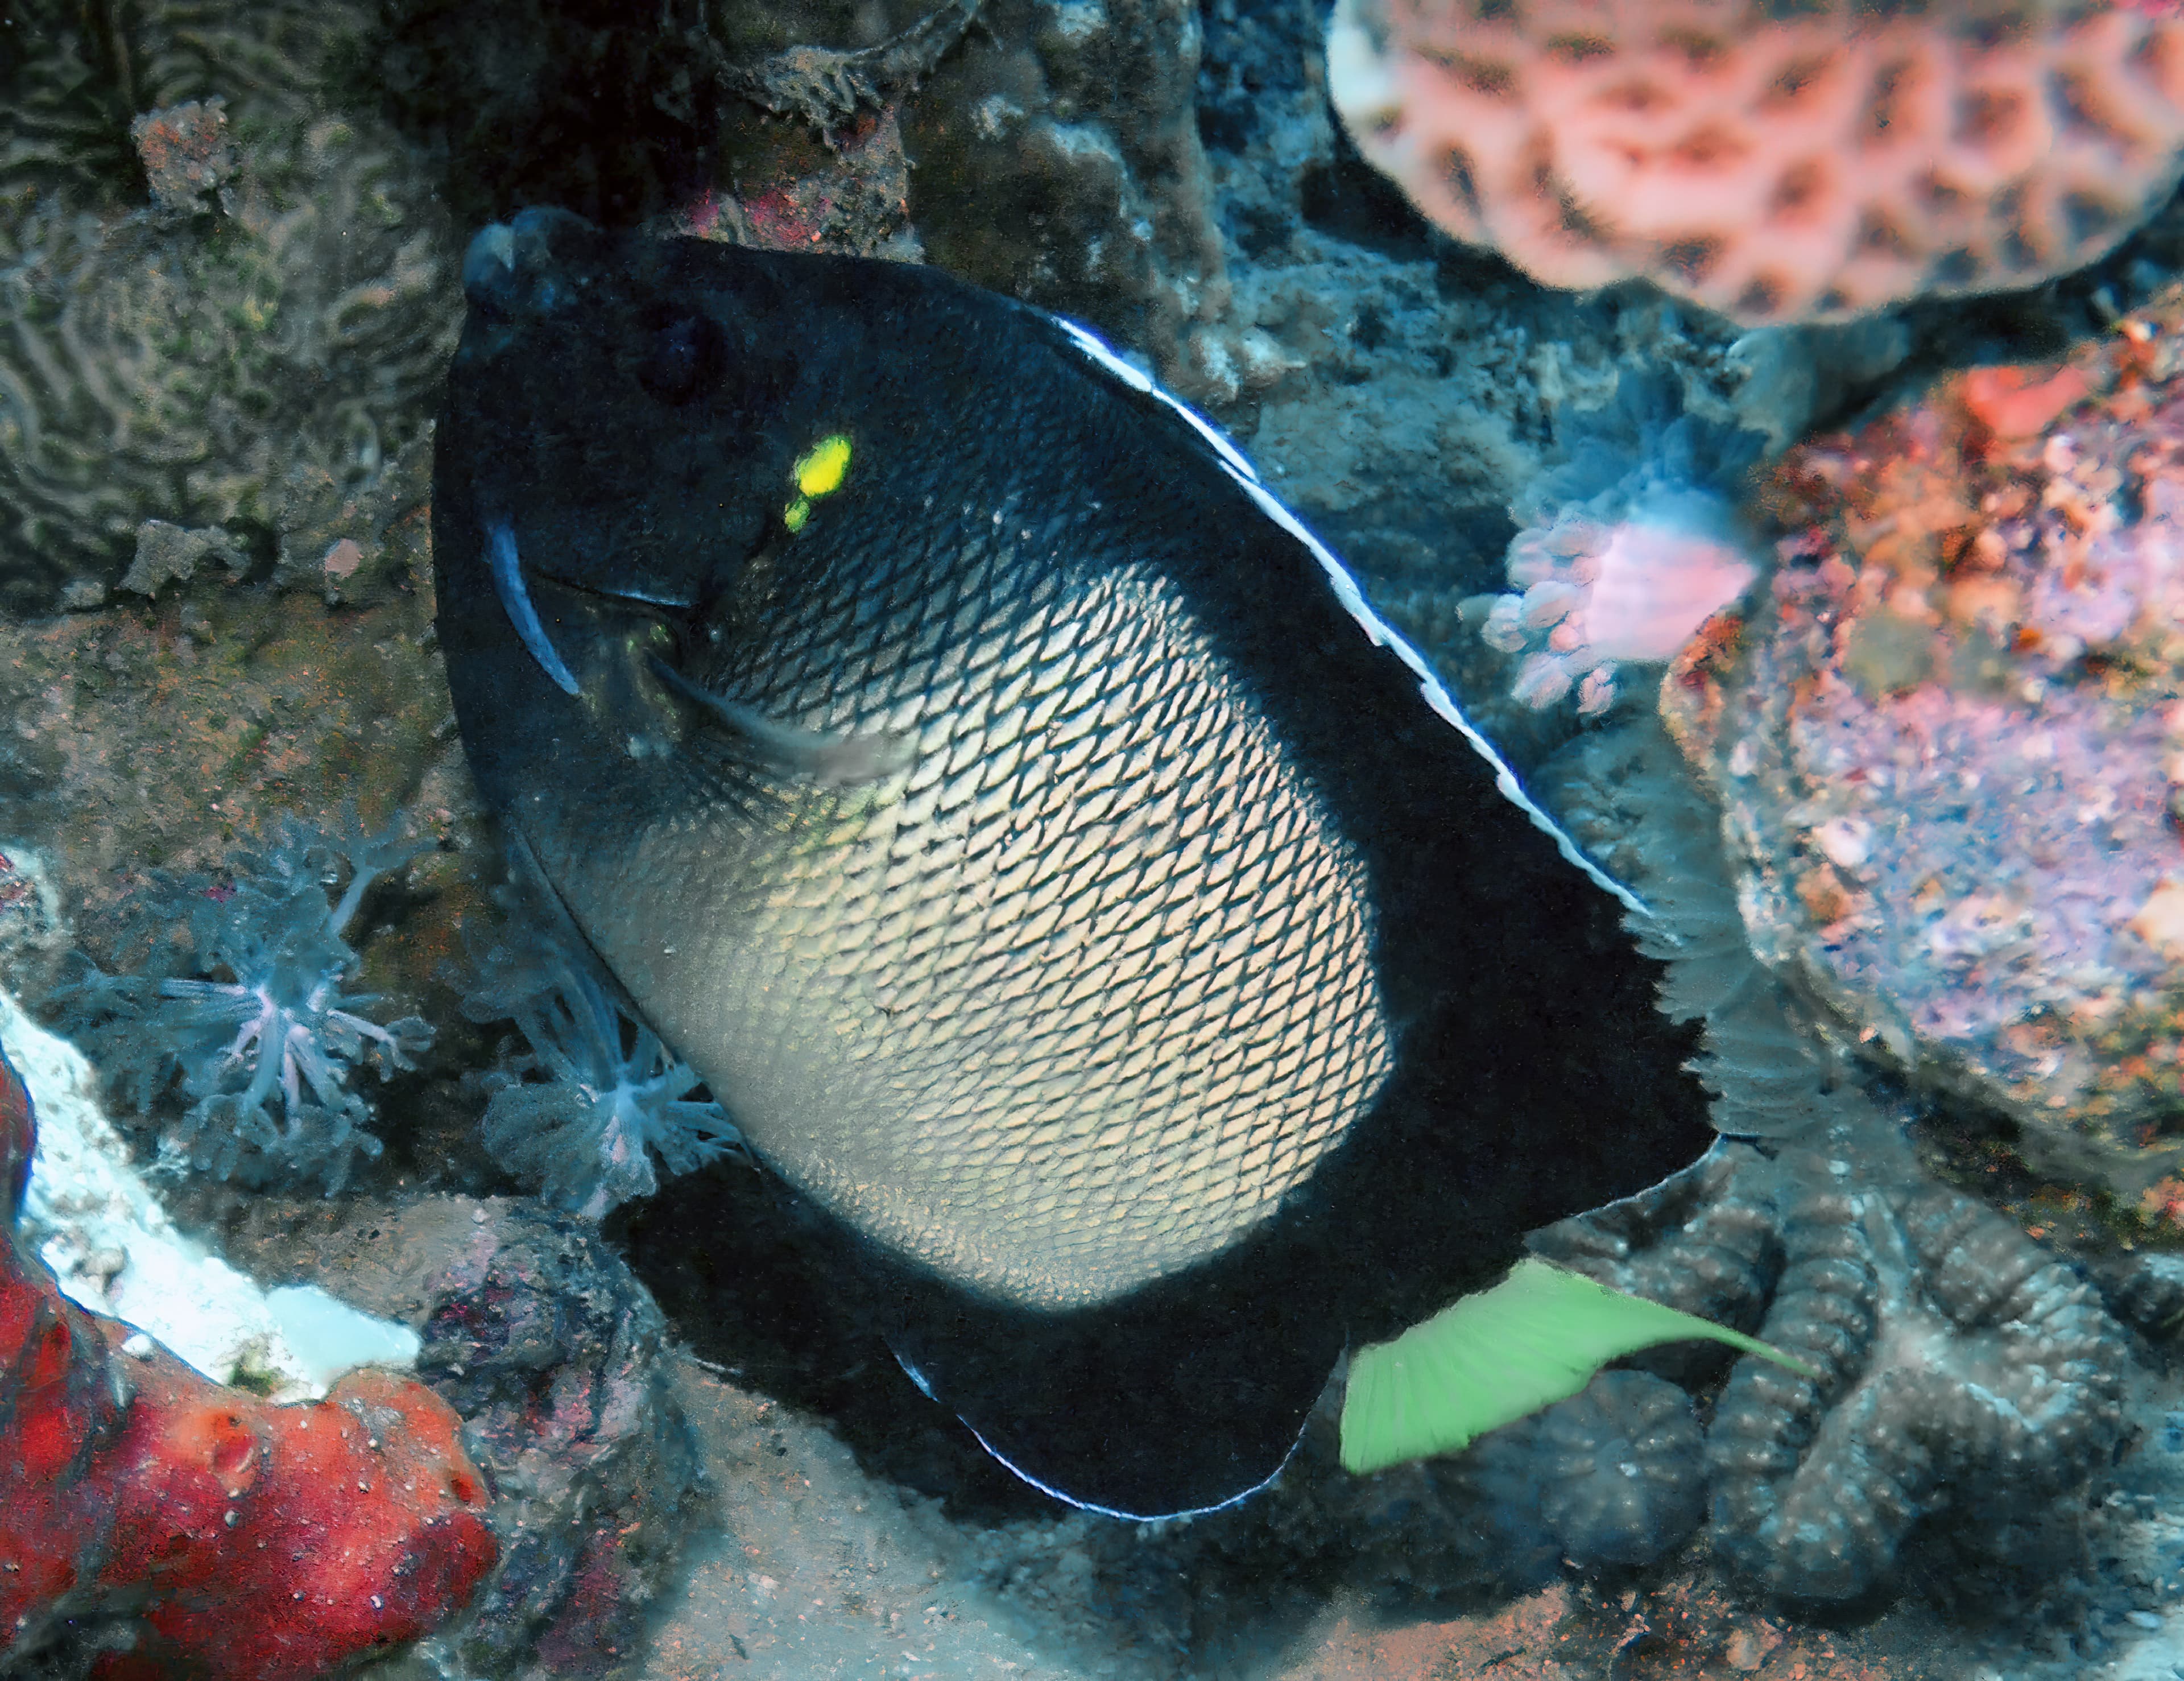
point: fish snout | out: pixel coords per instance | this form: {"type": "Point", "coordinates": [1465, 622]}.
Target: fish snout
{"type": "Point", "coordinates": [523, 264]}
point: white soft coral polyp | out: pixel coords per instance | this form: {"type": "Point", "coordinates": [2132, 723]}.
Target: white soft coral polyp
{"type": "Point", "coordinates": [1601, 594]}
{"type": "Point", "coordinates": [1657, 583]}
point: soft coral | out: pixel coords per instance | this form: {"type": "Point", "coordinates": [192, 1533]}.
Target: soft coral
{"type": "Point", "coordinates": [605, 1094]}
{"type": "Point", "coordinates": [254, 1011]}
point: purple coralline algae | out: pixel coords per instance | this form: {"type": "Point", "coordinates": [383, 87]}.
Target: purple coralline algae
{"type": "Point", "coordinates": [1950, 743]}
{"type": "Point", "coordinates": [559, 1362]}
{"type": "Point", "coordinates": [252, 1016]}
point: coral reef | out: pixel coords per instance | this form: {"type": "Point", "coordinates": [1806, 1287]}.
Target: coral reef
{"type": "Point", "coordinates": [252, 349]}
{"type": "Point", "coordinates": [581, 1114]}
{"type": "Point", "coordinates": [188, 156]}
{"type": "Point", "coordinates": [158, 733]}
{"type": "Point", "coordinates": [1051, 151]}
{"type": "Point", "coordinates": [1409, 390]}
{"type": "Point", "coordinates": [1403, 393]}
{"type": "Point", "coordinates": [1626, 797]}
{"type": "Point", "coordinates": [221, 281]}
{"type": "Point", "coordinates": [1948, 741]}
{"type": "Point", "coordinates": [1057, 158]}
{"type": "Point", "coordinates": [559, 1363]}
{"type": "Point", "coordinates": [1614, 1476]}
{"type": "Point", "coordinates": [1775, 164]}
{"type": "Point", "coordinates": [78, 79]}
{"type": "Point", "coordinates": [556, 1357]}
{"type": "Point", "coordinates": [1964, 1367]}
{"type": "Point", "coordinates": [827, 86]}
{"type": "Point", "coordinates": [114, 1248]}
{"type": "Point", "coordinates": [252, 1019]}
{"type": "Point", "coordinates": [158, 1524]}
{"type": "Point", "coordinates": [1961, 1367]}
{"type": "Point", "coordinates": [1624, 550]}
{"type": "Point", "coordinates": [849, 192]}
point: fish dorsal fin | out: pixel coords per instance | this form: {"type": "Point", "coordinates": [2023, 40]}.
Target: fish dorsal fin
{"type": "Point", "coordinates": [1343, 583]}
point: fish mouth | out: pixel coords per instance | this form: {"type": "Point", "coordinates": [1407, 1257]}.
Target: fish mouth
{"type": "Point", "coordinates": [840, 759]}
{"type": "Point", "coordinates": [511, 266]}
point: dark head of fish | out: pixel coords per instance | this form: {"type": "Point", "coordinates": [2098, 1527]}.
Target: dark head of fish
{"type": "Point", "coordinates": [961, 761]}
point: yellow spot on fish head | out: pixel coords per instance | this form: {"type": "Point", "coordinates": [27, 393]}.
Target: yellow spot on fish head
{"type": "Point", "coordinates": [821, 468]}
{"type": "Point", "coordinates": [819, 471]}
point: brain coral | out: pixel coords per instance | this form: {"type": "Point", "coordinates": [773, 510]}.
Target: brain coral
{"type": "Point", "coordinates": [250, 348]}
{"type": "Point", "coordinates": [1616, 1475]}
{"type": "Point", "coordinates": [1774, 161]}
{"type": "Point", "coordinates": [1963, 1369]}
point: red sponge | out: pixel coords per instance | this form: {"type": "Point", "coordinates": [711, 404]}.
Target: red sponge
{"type": "Point", "coordinates": [218, 1534]}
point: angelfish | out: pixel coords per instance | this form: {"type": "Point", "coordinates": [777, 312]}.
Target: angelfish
{"type": "Point", "coordinates": [1068, 883]}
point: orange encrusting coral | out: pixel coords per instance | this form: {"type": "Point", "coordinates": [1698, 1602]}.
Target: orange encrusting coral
{"type": "Point", "coordinates": [218, 1534]}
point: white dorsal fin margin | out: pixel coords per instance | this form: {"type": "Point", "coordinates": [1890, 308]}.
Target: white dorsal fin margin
{"type": "Point", "coordinates": [1346, 591]}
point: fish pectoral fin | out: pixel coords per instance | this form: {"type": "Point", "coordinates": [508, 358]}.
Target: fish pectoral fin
{"type": "Point", "coordinates": [834, 759]}
{"type": "Point", "coordinates": [1496, 1356]}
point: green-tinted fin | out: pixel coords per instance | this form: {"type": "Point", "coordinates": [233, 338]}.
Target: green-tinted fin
{"type": "Point", "coordinates": [1490, 1359]}
{"type": "Point", "coordinates": [836, 761]}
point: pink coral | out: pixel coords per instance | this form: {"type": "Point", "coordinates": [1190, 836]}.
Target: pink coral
{"type": "Point", "coordinates": [196, 1530]}
{"type": "Point", "coordinates": [1772, 163]}
{"type": "Point", "coordinates": [1601, 593]}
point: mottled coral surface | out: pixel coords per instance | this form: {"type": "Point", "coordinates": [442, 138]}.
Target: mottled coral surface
{"type": "Point", "coordinates": [1949, 743]}
{"type": "Point", "coordinates": [1959, 1367]}
{"type": "Point", "coordinates": [252, 370]}
{"type": "Point", "coordinates": [1772, 162]}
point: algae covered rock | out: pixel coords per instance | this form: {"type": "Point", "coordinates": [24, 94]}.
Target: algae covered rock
{"type": "Point", "coordinates": [1050, 149]}
{"type": "Point", "coordinates": [1948, 744]}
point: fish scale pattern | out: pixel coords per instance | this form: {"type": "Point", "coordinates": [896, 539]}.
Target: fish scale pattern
{"type": "Point", "coordinates": [1051, 942]}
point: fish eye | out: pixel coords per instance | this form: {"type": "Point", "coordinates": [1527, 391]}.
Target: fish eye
{"type": "Point", "coordinates": [687, 355]}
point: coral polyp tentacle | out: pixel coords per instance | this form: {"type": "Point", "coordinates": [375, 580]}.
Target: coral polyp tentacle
{"type": "Point", "coordinates": [258, 1030]}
